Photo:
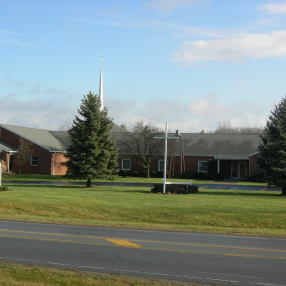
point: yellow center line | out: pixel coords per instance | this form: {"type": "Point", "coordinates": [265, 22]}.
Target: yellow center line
{"type": "Point", "coordinates": [208, 245]}
{"type": "Point", "coordinates": [124, 243]}
{"type": "Point", "coordinates": [52, 239]}
{"type": "Point", "coordinates": [53, 234]}
{"type": "Point", "coordinates": [218, 253]}
{"type": "Point", "coordinates": [135, 241]}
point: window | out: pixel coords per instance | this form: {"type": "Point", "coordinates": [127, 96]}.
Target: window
{"type": "Point", "coordinates": [125, 164]}
{"type": "Point", "coordinates": [34, 161]}
{"type": "Point", "coordinates": [160, 165]}
{"type": "Point", "coordinates": [202, 166]}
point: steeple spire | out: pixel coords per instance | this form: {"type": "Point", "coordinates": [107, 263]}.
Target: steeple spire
{"type": "Point", "coordinates": [100, 89]}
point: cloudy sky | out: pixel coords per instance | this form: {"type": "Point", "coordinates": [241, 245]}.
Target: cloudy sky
{"type": "Point", "coordinates": [193, 63]}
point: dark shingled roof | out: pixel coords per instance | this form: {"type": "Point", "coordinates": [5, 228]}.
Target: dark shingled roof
{"type": "Point", "coordinates": [211, 144]}
{"type": "Point", "coordinates": [54, 141]}
{"type": "Point", "coordinates": [41, 137]}
{"type": "Point", "coordinates": [195, 144]}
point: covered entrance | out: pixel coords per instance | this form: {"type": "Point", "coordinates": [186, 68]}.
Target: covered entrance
{"type": "Point", "coordinates": [6, 153]}
{"type": "Point", "coordinates": [239, 169]}
{"type": "Point", "coordinates": [233, 168]}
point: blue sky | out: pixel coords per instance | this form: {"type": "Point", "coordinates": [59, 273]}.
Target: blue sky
{"type": "Point", "coordinates": [193, 63]}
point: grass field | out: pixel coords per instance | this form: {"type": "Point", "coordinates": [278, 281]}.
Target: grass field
{"type": "Point", "coordinates": [221, 211]}
{"type": "Point", "coordinates": [19, 275]}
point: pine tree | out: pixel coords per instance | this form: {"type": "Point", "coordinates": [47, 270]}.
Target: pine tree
{"type": "Point", "coordinates": [92, 153]}
{"type": "Point", "coordinates": [273, 147]}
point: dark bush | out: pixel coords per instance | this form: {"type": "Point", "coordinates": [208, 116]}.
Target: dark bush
{"type": "Point", "coordinates": [135, 173]}
{"type": "Point", "coordinates": [156, 174]}
{"type": "Point", "coordinates": [256, 177]}
{"type": "Point", "coordinates": [202, 176]}
{"type": "Point", "coordinates": [3, 188]}
{"type": "Point", "coordinates": [175, 189]}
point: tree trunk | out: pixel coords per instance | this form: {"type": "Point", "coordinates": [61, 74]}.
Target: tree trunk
{"type": "Point", "coordinates": [88, 182]}
{"type": "Point", "coordinates": [148, 172]}
{"type": "Point", "coordinates": [283, 191]}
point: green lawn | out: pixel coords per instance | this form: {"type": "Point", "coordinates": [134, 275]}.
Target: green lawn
{"type": "Point", "coordinates": [19, 275]}
{"type": "Point", "coordinates": [119, 179]}
{"type": "Point", "coordinates": [222, 211]}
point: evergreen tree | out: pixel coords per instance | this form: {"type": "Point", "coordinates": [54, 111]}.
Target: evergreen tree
{"type": "Point", "coordinates": [92, 153]}
{"type": "Point", "coordinates": [273, 147]}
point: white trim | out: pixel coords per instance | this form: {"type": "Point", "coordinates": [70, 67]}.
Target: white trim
{"type": "Point", "coordinates": [201, 161]}
{"type": "Point", "coordinates": [123, 165]}
{"type": "Point", "coordinates": [254, 153]}
{"type": "Point", "coordinates": [223, 157]}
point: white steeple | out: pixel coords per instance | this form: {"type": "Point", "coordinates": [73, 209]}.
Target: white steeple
{"type": "Point", "coordinates": [100, 89]}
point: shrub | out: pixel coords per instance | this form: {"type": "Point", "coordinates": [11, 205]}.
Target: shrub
{"type": "Point", "coordinates": [156, 174]}
{"type": "Point", "coordinates": [256, 177]}
{"type": "Point", "coordinates": [3, 188]}
{"type": "Point", "coordinates": [135, 173]}
{"type": "Point", "coordinates": [202, 176]}
{"type": "Point", "coordinates": [175, 189]}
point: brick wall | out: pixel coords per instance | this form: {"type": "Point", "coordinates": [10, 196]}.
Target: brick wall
{"type": "Point", "coordinates": [57, 167]}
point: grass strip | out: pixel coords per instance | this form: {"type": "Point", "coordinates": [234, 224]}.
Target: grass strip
{"type": "Point", "coordinates": [23, 275]}
{"type": "Point", "coordinates": [217, 211]}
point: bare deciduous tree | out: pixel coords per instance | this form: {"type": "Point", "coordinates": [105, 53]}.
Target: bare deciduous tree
{"type": "Point", "coordinates": [226, 128]}
{"type": "Point", "coordinates": [24, 153]}
{"type": "Point", "coordinates": [144, 145]}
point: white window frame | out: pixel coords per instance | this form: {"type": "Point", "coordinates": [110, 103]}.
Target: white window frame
{"type": "Point", "coordinates": [122, 165]}
{"type": "Point", "coordinates": [31, 162]}
{"type": "Point", "coordinates": [159, 164]}
{"type": "Point", "coordinates": [201, 161]}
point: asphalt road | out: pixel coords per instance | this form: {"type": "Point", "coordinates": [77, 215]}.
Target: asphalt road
{"type": "Point", "coordinates": [223, 186]}
{"type": "Point", "coordinates": [202, 258]}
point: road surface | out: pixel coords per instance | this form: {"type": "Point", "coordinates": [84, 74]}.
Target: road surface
{"type": "Point", "coordinates": [203, 258]}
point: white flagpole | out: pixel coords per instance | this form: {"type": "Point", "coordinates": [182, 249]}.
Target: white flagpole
{"type": "Point", "coordinates": [0, 174]}
{"type": "Point", "coordinates": [165, 158]}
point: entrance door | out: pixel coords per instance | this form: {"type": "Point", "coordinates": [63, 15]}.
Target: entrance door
{"type": "Point", "coordinates": [235, 170]}
{"type": "Point", "coordinates": [239, 169]}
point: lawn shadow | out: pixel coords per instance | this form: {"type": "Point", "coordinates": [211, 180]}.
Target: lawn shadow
{"type": "Point", "coordinates": [77, 187]}
{"type": "Point", "coordinates": [46, 186]}
{"type": "Point", "coordinates": [242, 193]}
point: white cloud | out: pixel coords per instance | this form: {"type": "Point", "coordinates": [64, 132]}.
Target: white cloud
{"type": "Point", "coordinates": [192, 115]}
{"type": "Point", "coordinates": [189, 115]}
{"type": "Point", "coordinates": [35, 113]}
{"type": "Point", "coordinates": [34, 105]}
{"type": "Point", "coordinates": [235, 48]}
{"type": "Point", "coordinates": [168, 5]}
{"type": "Point", "coordinates": [274, 8]}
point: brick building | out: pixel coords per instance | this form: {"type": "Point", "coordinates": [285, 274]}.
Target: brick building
{"type": "Point", "coordinates": [48, 148]}
{"type": "Point", "coordinates": [231, 155]}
